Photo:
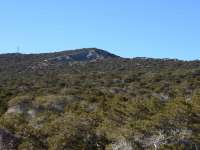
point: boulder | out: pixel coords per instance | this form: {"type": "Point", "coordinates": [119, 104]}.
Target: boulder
{"type": "Point", "coordinates": [8, 141]}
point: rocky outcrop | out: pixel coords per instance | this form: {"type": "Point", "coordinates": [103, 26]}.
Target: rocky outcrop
{"type": "Point", "coordinates": [47, 103]}
{"type": "Point", "coordinates": [28, 109]}
{"type": "Point", "coordinates": [89, 54]}
{"type": "Point", "coordinates": [8, 141]}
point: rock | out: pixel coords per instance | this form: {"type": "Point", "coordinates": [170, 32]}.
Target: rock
{"type": "Point", "coordinates": [8, 141]}
{"type": "Point", "coordinates": [161, 96]}
{"type": "Point", "coordinates": [90, 54]}
{"type": "Point", "coordinates": [122, 144]}
{"type": "Point", "coordinates": [15, 109]}
{"type": "Point", "coordinates": [30, 111]}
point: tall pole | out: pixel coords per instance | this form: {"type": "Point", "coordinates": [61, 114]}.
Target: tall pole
{"type": "Point", "coordinates": [18, 49]}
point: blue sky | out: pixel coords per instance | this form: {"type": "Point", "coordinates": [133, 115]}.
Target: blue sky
{"type": "Point", "coordinates": [129, 28]}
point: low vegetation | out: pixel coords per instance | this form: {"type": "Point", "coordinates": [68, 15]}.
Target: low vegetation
{"type": "Point", "coordinates": [108, 104]}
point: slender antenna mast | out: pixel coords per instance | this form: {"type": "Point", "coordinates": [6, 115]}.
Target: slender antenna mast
{"type": "Point", "coordinates": [18, 49]}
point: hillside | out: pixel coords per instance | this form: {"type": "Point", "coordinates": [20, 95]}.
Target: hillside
{"type": "Point", "coordinates": [91, 99]}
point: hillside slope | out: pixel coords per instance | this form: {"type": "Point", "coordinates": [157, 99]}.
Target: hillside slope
{"type": "Point", "coordinates": [93, 100]}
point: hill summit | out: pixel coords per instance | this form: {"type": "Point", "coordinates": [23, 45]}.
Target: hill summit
{"type": "Point", "coordinates": [85, 54]}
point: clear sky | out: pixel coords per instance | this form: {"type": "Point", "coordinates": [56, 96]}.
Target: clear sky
{"type": "Point", "coordinates": [129, 28]}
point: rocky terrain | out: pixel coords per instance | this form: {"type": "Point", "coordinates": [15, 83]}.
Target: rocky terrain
{"type": "Point", "coordinates": [90, 99]}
